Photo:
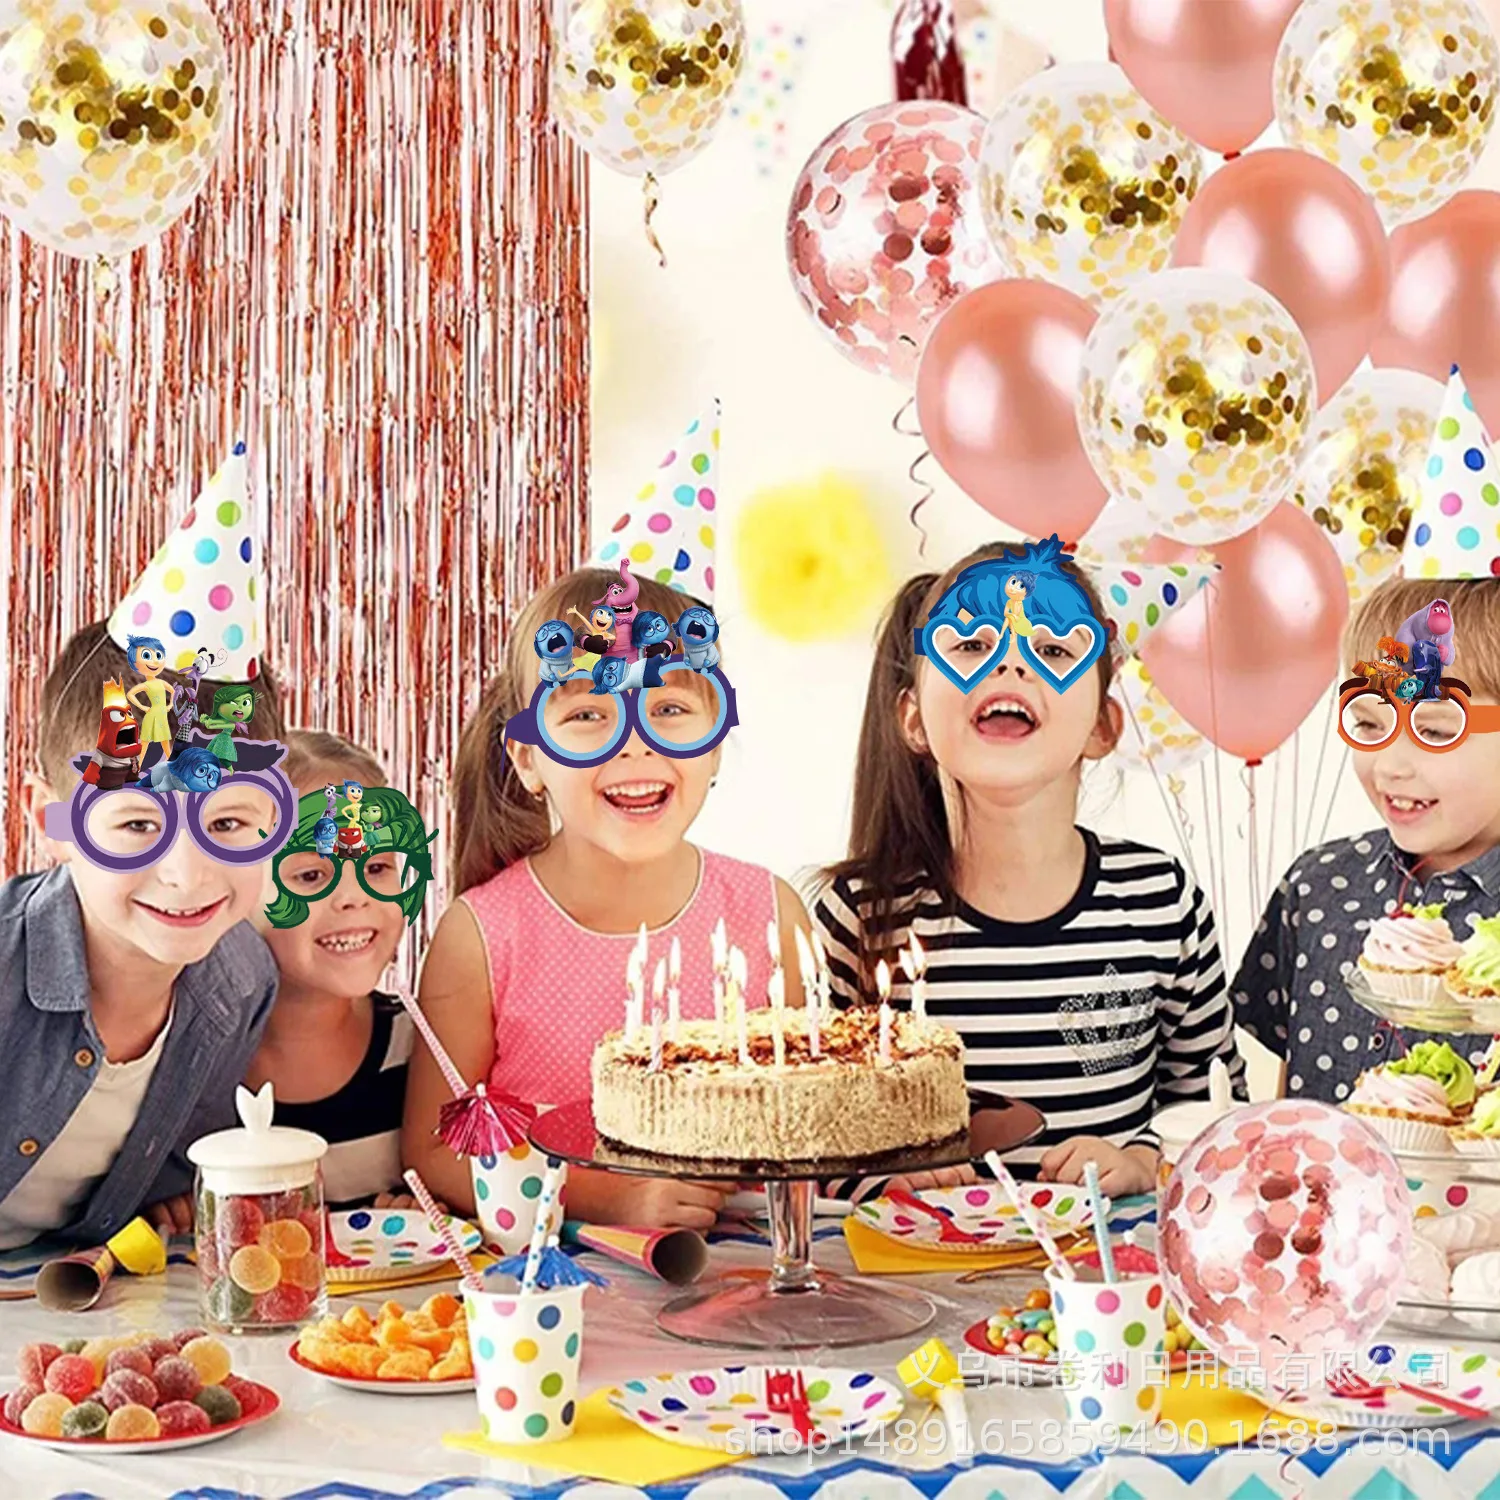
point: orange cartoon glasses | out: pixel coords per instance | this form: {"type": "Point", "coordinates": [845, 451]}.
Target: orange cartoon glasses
{"type": "Point", "coordinates": [1370, 719]}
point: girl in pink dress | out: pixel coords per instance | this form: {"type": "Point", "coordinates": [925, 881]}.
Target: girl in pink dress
{"type": "Point", "coordinates": [557, 868]}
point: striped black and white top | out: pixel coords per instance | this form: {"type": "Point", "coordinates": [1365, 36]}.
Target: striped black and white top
{"type": "Point", "coordinates": [362, 1121]}
{"type": "Point", "coordinates": [1099, 1015]}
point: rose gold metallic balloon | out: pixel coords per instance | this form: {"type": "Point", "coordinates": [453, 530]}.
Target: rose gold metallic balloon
{"type": "Point", "coordinates": [884, 231]}
{"type": "Point", "coordinates": [1300, 229]}
{"type": "Point", "coordinates": [1444, 303]}
{"type": "Point", "coordinates": [995, 395]}
{"type": "Point", "coordinates": [1205, 67]}
{"type": "Point", "coordinates": [1247, 659]}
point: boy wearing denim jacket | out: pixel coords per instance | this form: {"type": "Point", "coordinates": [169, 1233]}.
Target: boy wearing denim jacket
{"type": "Point", "coordinates": [131, 999]}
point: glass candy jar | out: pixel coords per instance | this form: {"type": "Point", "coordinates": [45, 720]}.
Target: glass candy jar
{"type": "Point", "coordinates": [260, 1221]}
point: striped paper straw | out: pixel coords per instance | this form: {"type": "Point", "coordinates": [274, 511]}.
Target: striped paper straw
{"type": "Point", "coordinates": [439, 1221]}
{"type": "Point", "coordinates": [1029, 1216]}
{"type": "Point", "coordinates": [1101, 1219]}
{"type": "Point", "coordinates": [551, 1186]}
{"type": "Point", "coordinates": [454, 1078]}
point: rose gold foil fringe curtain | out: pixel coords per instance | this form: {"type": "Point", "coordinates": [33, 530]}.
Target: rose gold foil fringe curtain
{"type": "Point", "coordinates": [383, 290]}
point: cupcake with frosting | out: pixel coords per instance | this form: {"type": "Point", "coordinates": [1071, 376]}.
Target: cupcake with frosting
{"type": "Point", "coordinates": [1406, 954]}
{"type": "Point", "coordinates": [1479, 1135]}
{"type": "Point", "coordinates": [1409, 1109]}
{"type": "Point", "coordinates": [1475, 972]}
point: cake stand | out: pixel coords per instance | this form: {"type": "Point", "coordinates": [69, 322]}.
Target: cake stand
{"type": "Point", "coordinates": [798, 1305]}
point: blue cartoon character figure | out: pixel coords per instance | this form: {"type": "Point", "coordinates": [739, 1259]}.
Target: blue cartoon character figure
{"type": "Point", "coordinates": [651, 636]}
{"type": "Point", "coordinates": [326, 829]}
{"type": "Point", "coordinates": [554, 647]}
{"type": "Point", "coordinates": [699, 633]}
{"type": "Point", "coordinates": [1017, 586]}
{"type": "Point", "coordinates": [190, 770]}
{"type": "Point", "coordinates": [609, 674]}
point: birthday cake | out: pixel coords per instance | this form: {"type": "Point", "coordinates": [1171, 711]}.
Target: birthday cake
{"type": "Point", "coordinates": [704, 1101]}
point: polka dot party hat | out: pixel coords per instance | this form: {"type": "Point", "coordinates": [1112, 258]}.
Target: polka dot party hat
{"type": "Point", "coordinates": [204, 586]}
{"type": "Point", "coordinates": [668, 529]}
{"type": "Point", "coordinates": [1455, 531]}
{"type": "Point", "coordinates": [1137, 597]}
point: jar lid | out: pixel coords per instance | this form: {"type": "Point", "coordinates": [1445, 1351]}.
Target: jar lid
{"type": "Point", "coordinates": [259, 1147]}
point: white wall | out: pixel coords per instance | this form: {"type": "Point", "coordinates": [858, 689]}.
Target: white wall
{"type": "Point", "coordinates": [722, 319]}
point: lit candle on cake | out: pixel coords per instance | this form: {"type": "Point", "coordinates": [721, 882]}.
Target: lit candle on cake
{"type": "Point", "coordinates": [635, 982]}
{"type": "Point", "coordinates": [719, 947]}
{"type": "Point", "coordinates": [818, 1000]}
{"type": "Point", "coordinates": [883, 985]}
{"type": "Point", "coordinates": [915, 964]}
{"type": "Point", "coordinates": [738, 975]}
{"type": "Point", "coordinates": [778, 1015]}
{"type": "Point", "coordinates": [656, 1038]}
{"type": "Point", "coordinates": [674, 990]}
{"type": "Point", "coordinates": [658, 987]}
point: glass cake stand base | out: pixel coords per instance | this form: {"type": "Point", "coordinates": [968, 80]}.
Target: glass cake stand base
{"type": "Point", "coordinates": [796, 1305]}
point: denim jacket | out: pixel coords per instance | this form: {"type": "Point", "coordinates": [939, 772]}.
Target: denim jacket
{"type": "Point", "coordinates": [50, 1051]}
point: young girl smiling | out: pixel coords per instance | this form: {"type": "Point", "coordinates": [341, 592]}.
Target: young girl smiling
{"type": "Point", "coordinates": [1082, 971]}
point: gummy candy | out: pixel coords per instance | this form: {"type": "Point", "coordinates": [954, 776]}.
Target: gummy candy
{"type": "Point", "coordinates": [70, 1375]}
{"type": "Point", "coordinates": [129, 1358]}
{"type": "Point", "coordinates": [229, 1304]}
{"type": "Point", "coordinates": [209, 1358]}
{"type": "Point", "coordinates": [218, 1404]}
{"type": "Point", "coordinates": [176, 1379]}
{"type": "Point", "coordinates": [18, 1400]}
{"type": "Point", "coordinates": [306, 1272]}
{"type": "Point", "coordinates": [97, 1352]}
{"type": "Point", "coordinates": [132, 1424]}
{"type": "Point", "coordinates": [246, 1392]}
{"type": "Point", "coordinates": [128, 1388]}
{"type": "Point", "coordinates": [286, 1239]}
{"type": "Point", "coordinates": [187, 1335]}
{"type": "Point", "coordinates": [240, 1221]}
{"type": "Point", "coordinates": [73, 1346]}
{"type": "Point", "coordinates": [255, 1269]}
{"type": "Point", "coordinates": [157, 1350]}
{"type": "Point", "coordinates": [282, 1304]}
{"type": "Point", "coordinates": [43, 1416]}
{"type": "Point", "coordinates": [32, 1362]}
{"type": "Point", "coordinates": [183, 1418]}
{"type": "Point", "coordinates": [209, 1263]}
{"type": "Point", "coordinates": [85, 1421]}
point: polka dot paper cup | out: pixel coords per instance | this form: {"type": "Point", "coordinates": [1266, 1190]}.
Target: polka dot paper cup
{"type": "Point", "coordinates": [1111, 1347]}
{"type": "Point", "coordinates": [526, 1350]}
{"type": "Point", "coordinates": [506, 1191]}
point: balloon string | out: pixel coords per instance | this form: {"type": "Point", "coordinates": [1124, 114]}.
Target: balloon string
{"type": "Point", "coordinates": [1312, 800]}
{"type": "Point", "coordinates": [651, 196]}
{"type": "Point", "coordinates": [1333, 795]}
{"type": "Point", "coordinates": [1161, 790]}
{"type": "Point", "coordinates": [1177, 787]}
{"type": "Point", "coordinates": [1213, 714]}
{"type": "Point", "coordinates": [1270, 849]}
{"type": "Point", "coordinates": [1252, 822]}
{"type": "Point", "coordinates": [925, 486]}
{"type": "Point", "coordinates": [906, 408]}
{"type": "Point", "coordinates": [1296, 773]}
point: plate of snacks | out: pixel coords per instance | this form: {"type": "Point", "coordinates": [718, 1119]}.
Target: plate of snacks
{"type": "Point", "coordinates": [753, 1408]}
{"type": "Point", "coordinates": [133, 1394]}
{"type": "Point", "coordinates": [397, 1351]}
{"type": "Point", "coordinates": [376, 1244]}
{"type": "Point", "coordinates": [979, 1217]}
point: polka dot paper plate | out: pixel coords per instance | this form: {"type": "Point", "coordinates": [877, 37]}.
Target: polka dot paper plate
{"type": "Point", "coordinates": [726, 1409]}
{"type": "Point", "coordinates": [382, 1243]}
{"type": "Point", "coordinates": [983, 1210]}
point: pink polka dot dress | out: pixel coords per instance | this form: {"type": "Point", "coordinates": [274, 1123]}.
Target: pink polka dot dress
{"type": "Point", "coordinates": [558, 987]}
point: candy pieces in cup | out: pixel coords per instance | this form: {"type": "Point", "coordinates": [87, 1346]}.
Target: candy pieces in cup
{"type": "Point", "coordinates": [260, 1221]}
{"type": "Point", "coordinates": [526, 1348]}
{"type": "Point", "coordinates": [1111, 1347]}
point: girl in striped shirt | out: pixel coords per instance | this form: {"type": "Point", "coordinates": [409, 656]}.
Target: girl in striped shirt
{"type": "Point", "coordinates": [1082, 971]}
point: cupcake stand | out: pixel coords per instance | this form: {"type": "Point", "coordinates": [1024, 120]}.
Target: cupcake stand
{"type": "Point", "coordinates": [1448, 1183]}
{"type": "Point", "coordinates": [797, 1305]}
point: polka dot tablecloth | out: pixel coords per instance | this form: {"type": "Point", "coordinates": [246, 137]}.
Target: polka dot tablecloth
{"type": "Point", "coordinates": [204, 586]}
{"type": "Point", "coordinates": [1110, 1340]}
{"type": "Point", "coordinates": [1456, 531]}
{"type": "Point", "coordinates": [668, 531]}
{"type": "Point", "coordinates": [506, 1190]}
{"type": "Point", "coordinates": [526, 1350]}
{"type": "Point", "coordinates": [727, 1409]}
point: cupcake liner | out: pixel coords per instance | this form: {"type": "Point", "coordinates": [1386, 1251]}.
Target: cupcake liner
{"type": "Point", "coordinates": [1402, 1133]}
{"type": "Point", "coordinates": [1487, 1146]}
{"type": "Point", "coordinates": [1400, 984]}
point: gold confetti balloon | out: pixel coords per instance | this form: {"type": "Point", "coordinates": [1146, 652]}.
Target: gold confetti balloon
{"type": "Point", "coordinates": [1196, 401]}
{"type": "Point", "coordinates": [111, 117]}
{"type": "Point", "coordinates": [1399, 94]}
{"type": "Point", "coordinates": [1154, 736]}
{"type": "Point", "coordinates": [1083, 183]}
{"type": "Point", "coordinates": [1364, 469]}
{"type": "Point", "coordinates": [642, 86]}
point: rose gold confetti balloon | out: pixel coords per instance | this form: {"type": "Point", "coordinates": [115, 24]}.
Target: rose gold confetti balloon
{"type": "Point", "coordinates": [1284, 1231]}
{"type": "Point", "coordinates": [641, 85]}
{"type": "Point", "coordinates": [111, 117]}
{"type": "Point", "coordinates": [884, 230]}
{"type": "Point", "coordinates": [1400, 94]}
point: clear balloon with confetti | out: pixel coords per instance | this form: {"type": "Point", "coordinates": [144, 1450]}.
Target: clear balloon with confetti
{"type": "Point", "coordinates": [1362, 476]}
{"type": "Point", "coordinates": [111, 118]}
{"type": "Point", "coordinates": [1196, 401]}
{"type": "Point", "coordinates": [1083, 183]}
{"type": "Point", "coordinates": [1155, 737]}
{"type": "Point", "coordinates": [1399, 94]}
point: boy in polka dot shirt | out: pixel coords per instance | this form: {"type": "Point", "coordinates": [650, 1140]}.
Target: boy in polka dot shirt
{"type": "Point", "coordinates": [1440, 842]}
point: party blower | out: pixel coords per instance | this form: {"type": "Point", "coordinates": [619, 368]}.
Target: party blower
{"type": "Point", "coordinates": [676, 1256]}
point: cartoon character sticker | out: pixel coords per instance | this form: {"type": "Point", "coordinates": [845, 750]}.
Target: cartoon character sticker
{"type": "Point", "coordinates": [233, 707]}
{"type": "Point", "coordinates": [118, 749]}
{"type": "Point", "coordinates": [148, 656]}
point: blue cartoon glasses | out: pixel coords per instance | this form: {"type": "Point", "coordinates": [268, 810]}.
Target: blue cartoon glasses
{"type": "Point", "coordinates": [244, 821]}
{"type": "Point", "coordinates": [580, 725]}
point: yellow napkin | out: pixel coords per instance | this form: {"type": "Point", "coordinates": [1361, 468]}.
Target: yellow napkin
{"type": "Point", "coordinates": [604, 1446]}
{"type": "Point", "coordinates": [1231, 1416]}
{"type": "Point", "coordinates": [876, 1253]}
{"type": "Point", "coordinates": [448, 1272]}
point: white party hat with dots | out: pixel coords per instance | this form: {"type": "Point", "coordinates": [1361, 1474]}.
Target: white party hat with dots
{"type": "Point", "coordinates": [204, 587]}
{"type": "Point", "coordinates": [1455, 530]}
{"type": "Point", "coordinates": [1137, 597]}
{"type": "Point", "coordinates": [667, 531]}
